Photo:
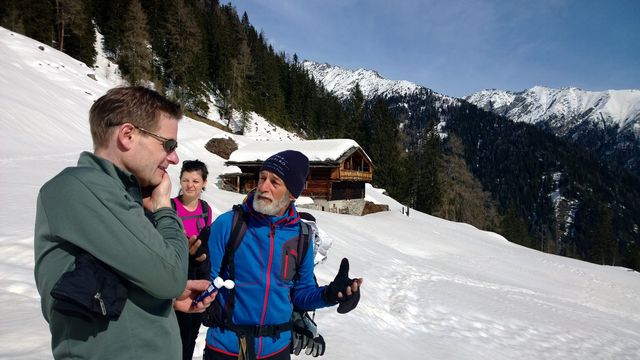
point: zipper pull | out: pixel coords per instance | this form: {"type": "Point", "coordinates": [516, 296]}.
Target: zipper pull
{"type": "Point", "coordinates": [98, 297]}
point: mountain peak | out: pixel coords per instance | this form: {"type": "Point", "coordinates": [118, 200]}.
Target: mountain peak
{"type": "Point", "coordinates": [607, 122]}
{"type": "Point", "coordinates": [559, 106]}
{"type": "Point", "coordinates": [341, 81]}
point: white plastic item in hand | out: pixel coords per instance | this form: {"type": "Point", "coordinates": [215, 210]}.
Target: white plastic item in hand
{"type": "Point", "coordinates": [219, 283]}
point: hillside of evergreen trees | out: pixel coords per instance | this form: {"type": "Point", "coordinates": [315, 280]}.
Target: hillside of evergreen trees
{"type": "Point", "coordinates": [512, 178]}
{"type": "Point", "coordinates": [189, 50]}
{"type": "Point", "coordinates": [524, 168]}
{"type": "Point", "coordinates": [487, 171]}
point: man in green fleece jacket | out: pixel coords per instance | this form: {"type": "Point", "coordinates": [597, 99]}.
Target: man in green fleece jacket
{"type": "Point", "coordinates": [98, 207]}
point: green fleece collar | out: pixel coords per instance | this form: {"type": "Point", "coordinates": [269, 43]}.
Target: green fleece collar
{"type": "Point", "coordinates": [128, 180]}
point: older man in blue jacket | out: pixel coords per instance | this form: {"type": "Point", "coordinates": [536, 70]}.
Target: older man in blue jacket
{"type": "Point", "coordinates": [254, 317]}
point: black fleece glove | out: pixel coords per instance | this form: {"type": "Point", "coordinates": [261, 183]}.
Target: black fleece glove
{"type": "Point", "coordinates": [339, 285]}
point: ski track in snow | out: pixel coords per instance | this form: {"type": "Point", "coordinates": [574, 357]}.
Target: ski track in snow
{"type": "Point", "coordinates": [413, 312]}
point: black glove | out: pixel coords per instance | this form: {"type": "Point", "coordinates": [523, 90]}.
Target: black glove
{"type": "Point", "coordinates": [349, 302]}
{"type": "Point", "coordinates": [339, 285]}
{"type": "Point", "coordinates": [305, 335]}
{"type": "Point", "coordinates": [302, 335]}
{"type": "Point", "coordinates": [316, 347]}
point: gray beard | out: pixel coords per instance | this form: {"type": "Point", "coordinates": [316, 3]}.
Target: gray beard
{"type": "Point", "coordinates": [270, 208]}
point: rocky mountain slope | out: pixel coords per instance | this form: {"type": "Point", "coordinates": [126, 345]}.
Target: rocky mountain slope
{"type": "Point", "coordinates": [605, 122]}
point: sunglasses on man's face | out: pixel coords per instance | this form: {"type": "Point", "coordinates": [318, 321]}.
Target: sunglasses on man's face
{"type": "Point", "coordinates": [169, 145]}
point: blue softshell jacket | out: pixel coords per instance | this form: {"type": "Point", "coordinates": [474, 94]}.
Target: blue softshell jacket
{"type": "Point", "coordinates": [265, 265]}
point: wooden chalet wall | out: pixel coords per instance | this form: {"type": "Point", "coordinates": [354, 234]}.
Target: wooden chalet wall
{"type": "Point", "coordinates": [343, 179]}
{"type": "Point", "coordinates": [318, 185]}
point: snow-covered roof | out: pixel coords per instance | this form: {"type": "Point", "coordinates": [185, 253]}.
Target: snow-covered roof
{"type": "Point", "coordinates": [326, 150]}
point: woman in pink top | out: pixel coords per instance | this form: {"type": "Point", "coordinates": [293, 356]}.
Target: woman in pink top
{"type": "Point", "coordinates": [196, 218]}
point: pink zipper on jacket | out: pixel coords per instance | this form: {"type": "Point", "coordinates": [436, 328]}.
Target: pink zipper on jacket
{"type": "Point", "coordinates": [272, 232]}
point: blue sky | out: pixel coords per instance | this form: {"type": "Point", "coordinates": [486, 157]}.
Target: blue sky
{"type": "Point", "coordinates": [457, 47]}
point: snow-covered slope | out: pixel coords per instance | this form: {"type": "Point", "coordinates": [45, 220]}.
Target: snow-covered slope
{"type": "Point", "coordinates": [564, 108]}
{"type": "Point", "coordinates": [433, 288]}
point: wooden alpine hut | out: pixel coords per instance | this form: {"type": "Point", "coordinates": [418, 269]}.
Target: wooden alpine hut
{"type": "Point", "coordinates": [339, 169]}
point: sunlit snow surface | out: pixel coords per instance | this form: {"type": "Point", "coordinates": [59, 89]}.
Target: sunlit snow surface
{"type": "Point", "coordinates": [433, 289]}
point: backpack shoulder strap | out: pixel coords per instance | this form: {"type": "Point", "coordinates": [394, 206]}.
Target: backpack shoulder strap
{"type": "Point", "coordinates": [302, 247]}
{"type": "Point", "coordinates": [173, 203]}
{"type": "Point", "coordinates": [238, 229]}
{"type": "Point", "coordinates": [303, 242]}
{"type": "Point", "coordinates": [205, 215]}
{"type": "Point", "coordinates": [205, 209]}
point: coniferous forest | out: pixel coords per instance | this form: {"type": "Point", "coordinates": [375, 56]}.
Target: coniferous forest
{"type": "Point", "coordinates": [487, 171]}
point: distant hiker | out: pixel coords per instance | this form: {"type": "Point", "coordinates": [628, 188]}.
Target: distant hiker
{"type": "Point", "coordinates": [196, 217]}
{"type": "Point", "coordinates": [253, 320]}
{"type": "Point", "coordinates": [108, 275]}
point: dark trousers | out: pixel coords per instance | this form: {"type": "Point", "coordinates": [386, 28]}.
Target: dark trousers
{"type": "Point", "coordinates": [189, 328]}
{"type": "Point", "coordinates": [214, 355]}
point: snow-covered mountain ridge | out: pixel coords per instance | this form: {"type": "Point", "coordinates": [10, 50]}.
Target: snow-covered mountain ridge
{"type": "Point", "coordinates": [341, 82]}
{"type": "Point", "coordinates": [605, 122]}
{"type": "Point", "coordinates": [564, 108]}
{"type": "Point", "coordinates": [414, 105]}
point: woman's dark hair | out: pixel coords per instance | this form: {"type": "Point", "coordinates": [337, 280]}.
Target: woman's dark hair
{"type": "Point", "coordinates": [194, 165]}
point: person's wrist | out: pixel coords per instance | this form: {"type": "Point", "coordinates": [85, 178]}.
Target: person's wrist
{"type": "Point", "coordinates": [330, 295]}
{"type": "Point", "coordinates": [162, 203]}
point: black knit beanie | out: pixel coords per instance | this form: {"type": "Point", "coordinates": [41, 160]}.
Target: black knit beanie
{"type": "Point", "coordinates": [292, 167]}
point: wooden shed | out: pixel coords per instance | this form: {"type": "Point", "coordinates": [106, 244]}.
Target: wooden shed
{"type": "Point", "coordinates": [339, 168]}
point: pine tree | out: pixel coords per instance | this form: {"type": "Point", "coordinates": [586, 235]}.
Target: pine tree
{"type": "Point", "coordinates": [75, 33]}
{"type": "Point", "coordinates": [11, 16]}
{"type": "Point", "coordinates": [463, 198]}
{"type": "Point", "coordinates": [355, 127]}
{"type": "Point", "coordinates": [67, 14]}
{"type": "Point", "coordinates": [110, 17]}
{"type": "Point", "coordinates": [186, 79]}
{"type": "Point", "coordinates": [426, 183]}
{"type": "Point", "coordinates": [514, 228]}
{"type": "Point", "coordinates": [241, 69]}
{"type": "Point", "coordinates": [385, 151]}
{"type": "Point", "coordinates": [136, 57]}
{"type": "Point", "coordinates": [603, 250]}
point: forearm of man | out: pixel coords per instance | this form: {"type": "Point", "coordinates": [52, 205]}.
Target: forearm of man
{"type": "Point", "coordinates": [117, 233]}
{"type": "Point", "coordinates": [306, 294]}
